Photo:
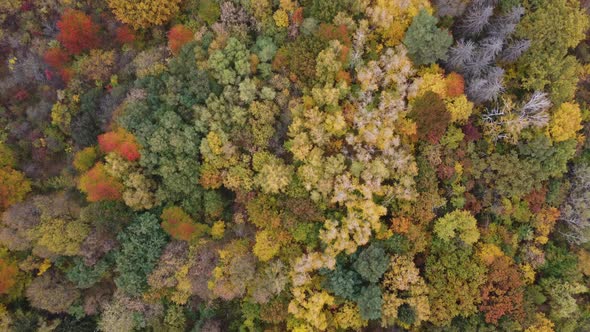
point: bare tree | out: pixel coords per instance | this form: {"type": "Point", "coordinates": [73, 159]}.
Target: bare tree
{"type": "Point", "coordinates": [476, 19]}
{"type": "Point", "coordinates": [515, 50]}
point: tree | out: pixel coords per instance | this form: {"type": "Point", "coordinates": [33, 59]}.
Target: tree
{"type": "Point", "coordinates": [371, 263]}
{"type": "Point", "coordinates": [52, 292]}
{"type": "Point", "coordinates": [56, 57]}
{"type": "Point", "coordinates": [454, 276]}
{"type": "Point", "coordinates": [565, 122]}
{"type": "Point", "coordinates": [426, 43]}
{"type": "Point", "coordinates": [575, 211]}
{"type": "Point", "coordinates": [178, 36]}
{"type": "Point", "coordinates": [8, 275]}
{"type": "Point", "coordinates": [141, 245]}
{"type": "Point", "coordinates": [77, 32]}
{"type": "Point", "coordinates": [85, 159]}
{"type": "Point", "coordinates": [121, 142]}
{"type": "Point", "coordinates": [546, 66]}
{"type": "Point", "coordinates": [502, 294]}
{"type": "Point", "coordinates": [14, 187]}
{"type": "Point", "coordinates": [144, 13]}
{"type": "Point", "coordinates": [457, 223]}
{"type": "Point", "coordinates": [180, 225]}
{"type": "Point", "coordinates": [431, 117]}
{"type": "Point", "coordinates": [99, 185]}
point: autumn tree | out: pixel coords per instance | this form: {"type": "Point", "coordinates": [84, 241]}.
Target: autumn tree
{"type": "Point", "coordinates": [144, 13]}
{"type": "Point", "coordinates": [99, 185]}
{"type": "Point", "coordinates": [77, 32]}
{"type": "Point", "coordinates": [178, 36]}
{"type": "Point", "coordinates": [121, 142]}
{"type": "Point", "coordinates": [180, 225]}
{"type": "Point", "coordinates": [52, 292]}
{"type": "Point", "coordinates": [503, 293]}
{"type": "Point", "coordinates": [547, 65]}
{"type": "Point", "coordinates": [431, 117]}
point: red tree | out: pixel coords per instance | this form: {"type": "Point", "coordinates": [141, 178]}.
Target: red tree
{"type": "Point", "coordinates": [100, 186]}
{"type": "Point", "coordinates": [503, 293]}
{"type": "Point", "coordinates": [121, 142]}
{"type": "Point", "coordinates": [455, 84]}
{"type": "Point", "coordinates": [8, 273]}
{"type": "Point", "coordinates": [77, 32]}
{"type": "Point", "coordinates": [125, 35]}
{"type": "Point", "coordinates": [178, 36]}
{"type": "Point", "coordinates": [178, 223]}
{"type": "Point", "coordinates": [56, 57]}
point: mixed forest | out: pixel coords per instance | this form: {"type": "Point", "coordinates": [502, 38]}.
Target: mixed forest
{"type": "Point", "coordinates": [294, 165]}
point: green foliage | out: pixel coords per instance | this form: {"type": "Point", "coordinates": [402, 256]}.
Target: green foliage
{"type": "Point", "coordinates": [426, 43]}
{"type": "Point", "coordinates": [547, 65]}
{"type": "Point", "coordinates": [371, 263]}
{"type": "Point", "coordinates": [141, 245]}
{"type": "Point", "coordinates": [369, 302]}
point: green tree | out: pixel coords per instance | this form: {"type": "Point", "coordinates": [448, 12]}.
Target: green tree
{"type": "Point", "coordinates": [547, 65]}
{"type": "Point", "coordinates": [426, 43]}
{"type": "Point", "coordinates": [141, 245]}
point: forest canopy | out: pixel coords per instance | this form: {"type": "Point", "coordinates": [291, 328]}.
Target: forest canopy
{"type": "Point", "coordinates": [294, 165]}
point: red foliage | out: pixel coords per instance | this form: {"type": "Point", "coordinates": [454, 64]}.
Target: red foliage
{"type": "Point", "coordinates": [536, 199]}
{"type": "Point", "coordinates": [125, 35]}
{"type": "Point", "coordinates": [331, 32]}
{"type": "Point", "coordinates": [21, 95]}
{"type": "Point", "coordinates": [77, 32]}
{"type": "Point", "coordinates": [297, 17]}
{"type": "Point", "coordinates": [8, 273]}
{"type": "Point", "coordinates": [503, 292]}
{"type": "Point", "coordinates": [56, 57]}
{"type": "Point", "coordinates": [100, 186]}
{"type": "Point", "coordinates": [455, 85]}
{"type": "Point", "coordinates": [178, 224]}
{"type": "Point", "coordinates": [121, 142]}
{"type": "Point", "coordinates": [66, 74]}
{"type": "Point", "coordinates": [471, 132]}
{"type": "Point", "coordinates": [178, 36]}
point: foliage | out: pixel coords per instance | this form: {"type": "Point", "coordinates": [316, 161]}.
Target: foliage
{"type": "Point", "coordinates": [144, 13]}
{"type": "Point", "coordinates": [77, 32]}
{"type": "Point", "coordinates": [178, 36]}
{"type": "Point", "coordinates": [425, 42]}
{"type": "Point", "coordinates": [141, 245]}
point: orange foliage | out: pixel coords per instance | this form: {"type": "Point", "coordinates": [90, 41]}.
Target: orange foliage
{"type": "Point", "coordinates": [331, 32]}
{"type": "Point", "coordinates": [297, 17]}
{"type": "Point", "coordinates": [8, 273]}
{"type": "Point", "coordinates": [536, 199]}
{"type": "Point", "coordinates": [455, 85]}
{"type": "Point", "coordinates": [503, 292]}
{"type": "Point", "coordinates": [178, 223]}
{"type": "Point", "coordinates": [100, 186]}
{"type": "Point", "coordinates": [125, 35]}
{"type": "Point", "coordinates": [178, 36]}
{"type": "Point", "coordinates": [56, 57]}
{"type": "Point", "coordinates": [77, 32]}
{"type": "Point", "coordinates": [121, 142]}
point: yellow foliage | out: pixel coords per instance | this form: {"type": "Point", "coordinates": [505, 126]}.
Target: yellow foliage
{"type": "Point", "coordinates": [266, 246]}
{"type": "Point", "coordinates": [565, 122]}
{"type": "Point", "coordinates": [309, 305]}
{"type": "Point", "coordinates": [460, 108]}
{"type": "Point", "coordinates": [144, 13]}
{"type": "Point", "coordinates": [392, 18]}
{"type": "Point", "coordinates": [281, 18]}
{"type": "Point", "coordinates": [542, 324]}
{"type": "Point", "coordinates": [528, 273]}
{"type": "Point", "coordinates": [487, 252]}
{"type": "Point", "coordinates": [44, 266]}
{"type": "Point", "coordinates": [218, 230]}
{"type": "Point", "coordinates": [348, 316]}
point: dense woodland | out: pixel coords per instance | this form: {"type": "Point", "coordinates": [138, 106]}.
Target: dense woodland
{"type": "Point", "coordinates": [294, 165]}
